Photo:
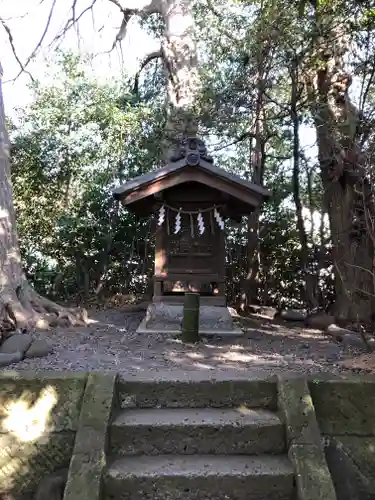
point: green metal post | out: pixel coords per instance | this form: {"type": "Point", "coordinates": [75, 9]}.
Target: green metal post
{"type": "Point", "coordinates": [190, 320]}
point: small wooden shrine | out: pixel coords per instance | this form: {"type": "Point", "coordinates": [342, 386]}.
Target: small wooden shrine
{"type": "Point", "coordinates": [190, 199]}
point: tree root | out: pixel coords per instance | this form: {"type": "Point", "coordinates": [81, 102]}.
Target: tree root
{"type": "Point", "coordinates": [25, 310]}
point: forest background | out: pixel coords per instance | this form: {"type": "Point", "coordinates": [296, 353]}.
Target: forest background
{"type": "Point", "coordinates": [286, 99]}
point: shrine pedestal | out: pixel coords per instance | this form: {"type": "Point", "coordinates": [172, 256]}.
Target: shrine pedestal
{"type": "Point", "coordinates": [167, 318]}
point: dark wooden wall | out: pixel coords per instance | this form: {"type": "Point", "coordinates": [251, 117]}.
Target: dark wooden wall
{"type": "Point", "coordinates": [186, 255]}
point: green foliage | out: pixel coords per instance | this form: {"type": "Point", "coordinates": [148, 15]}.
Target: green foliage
{"type": "Point", "coordinates": [71, 146]}
{"type": "Point", "coordinates": [80, 137]}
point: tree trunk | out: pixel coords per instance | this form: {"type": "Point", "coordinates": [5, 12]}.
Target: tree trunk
{"type": "Point", "coordinates": [104, 259]}
{"type": "Point", "coordinates": [179, 54]}
{"type": "Point", "coordinates": [257, 165]}
{"type": "Point", "coordinates": [253, 243]}
{"type": "Point", "coordinates": [309, 174]}
{"type": "Point", "coordinates": [20, 306]}
{"type": "Point", "coordinates": [180, 59]}
{"type": "Point", "coordinates": [309, 298]}
{"type": "Point", "coordinates": [341, 163]}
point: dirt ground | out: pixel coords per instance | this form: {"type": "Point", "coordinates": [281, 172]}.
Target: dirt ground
{"type": "Point", "coordinates": [110, 343]}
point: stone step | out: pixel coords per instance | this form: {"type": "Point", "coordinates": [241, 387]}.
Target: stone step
{"type": "Point", "coordinates": [197, 390]}
{"type": "Point", "coordinates": [191, 430]}
{"type": "Point", "coordinates": [199, 477]}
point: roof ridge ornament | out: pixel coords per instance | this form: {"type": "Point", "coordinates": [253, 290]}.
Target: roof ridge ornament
{"type": "Point", "coordinates": [192, 149]}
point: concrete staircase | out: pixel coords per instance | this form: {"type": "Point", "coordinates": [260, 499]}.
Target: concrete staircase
{"type": "Point", "coordinates": [198, 439]}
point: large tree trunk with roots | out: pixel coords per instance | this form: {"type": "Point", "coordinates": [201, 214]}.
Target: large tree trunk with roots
{"type": "Point", "coordinates": [337, 124]}
{"type": "Point", "coordinates": [20, 306]}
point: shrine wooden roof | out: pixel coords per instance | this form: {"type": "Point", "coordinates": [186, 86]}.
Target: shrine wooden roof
{"type": "Point", "coordinates": [191, 166]}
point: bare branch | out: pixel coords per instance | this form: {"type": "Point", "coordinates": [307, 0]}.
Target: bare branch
{"type": "Point", "coordinates": [11, 41]}
{"type": "Point", "coordinates": [128, 13]}
{"type": "Point", "coordinates": [367, 88]}
{"type": "Point", "coordinates": [74, 5]}
{"type": "Point", "coordinates": [73, 21]}
{"type": "Point", "coordinates": [242, 137]}
{"type": "Point", "coordinates": [150, 57]}
{"type": "Point", "coordinates": [39, 44]}
{"type": "Point", "coordinates": [140, 6]}
{"type": "Point", "coordinates": [117, 3]}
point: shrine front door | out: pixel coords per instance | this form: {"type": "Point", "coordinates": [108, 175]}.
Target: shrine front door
{"type": "Point", "coordinates": [192, 263]}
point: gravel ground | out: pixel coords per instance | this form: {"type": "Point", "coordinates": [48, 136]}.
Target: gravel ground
{"type": "Point", "coordinates": [110, 343]}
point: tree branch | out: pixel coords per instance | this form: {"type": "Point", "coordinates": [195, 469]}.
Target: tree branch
{"type": "Point", "coordinates": [126, 15]}
{"type": "Point", "coordinates": [150, 57]}
{"type": "Point", "coordinates": [39, 44]}
{"type": "Point", "coordinates": [73, 20]}
{"type": "Point", "coordinates": [242, 137]}
{"type": "Point", "coordinates": [365, 90]}
{"type": "Point", "coordinates": [128, 12]}
{"type": "Point", "coordinates": [140, 6]}
{"type": "Point", "coordinates": [11, 41]}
